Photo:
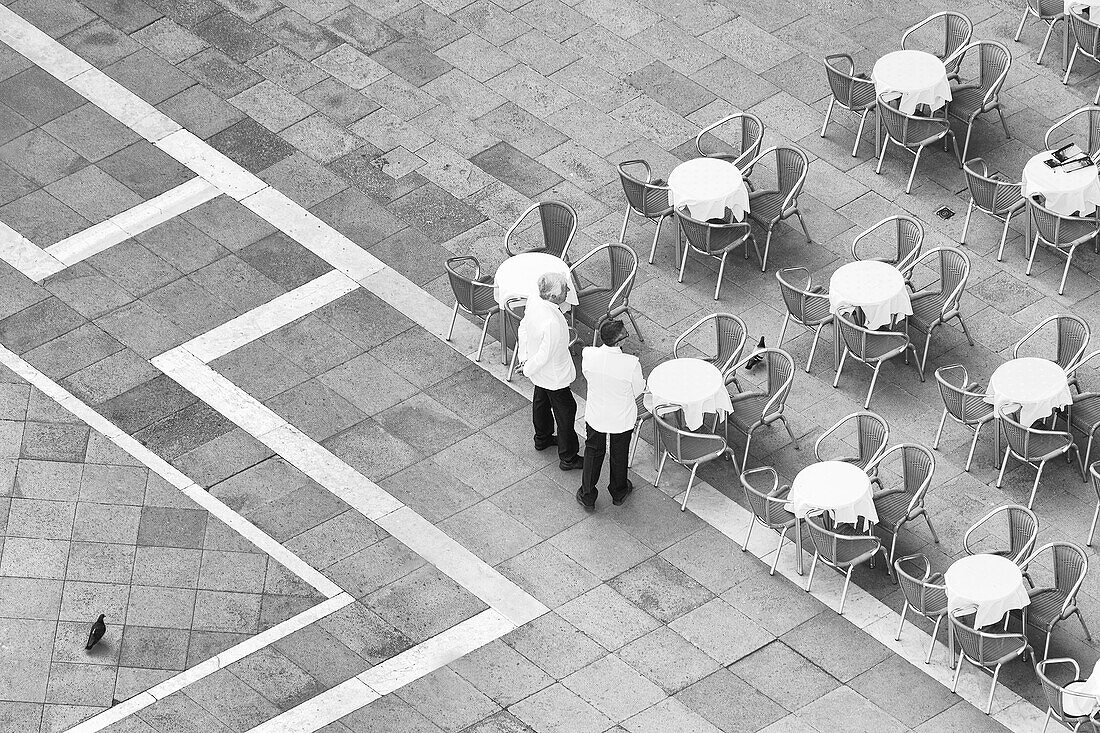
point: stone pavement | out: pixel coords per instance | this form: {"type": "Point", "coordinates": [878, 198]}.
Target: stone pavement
{"type": "Point", "coordinates": [420, 130]}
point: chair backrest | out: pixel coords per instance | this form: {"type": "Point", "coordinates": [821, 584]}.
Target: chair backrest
{"type": "Point", "coordinates": [1054, 228]}
{"type": "Point", "coordinates": [965, 406]}
{"type": "Point", "coordinates": [1072, 339]}
{"type": "Point", "coordinates": [1025, 441]}
{"type": "Point", "coordinates": [867, 344]}
{"type": "Point", "coordinates": [761, 488]}
{"type": "Point", "coordinates": [908, 130]}
{"type": "Point", "coordinates": [745, 144]}
{"type": "Point", "coordinates": [806, 307]}
{"type": "Point", "coordinates": [558, 221]}
{"type": "Point", "coordinates": [780, 379]}
{"type": "Point", "coordinates": [513, 311]}
{"type": "Point", "coordinates": [623, 263]}
{"type": "Point", "coordinates": [958, 30]}
{"type": "Point", "coordinates": [954, 272]}
{"type": "Point", "coordinates": [1069, 564]}
{"type": "Point", "coordinates": [848, 89]}
{"type": "Point", "coordinates": [917, 466]}
{"type": "Point", "coordinates": [712, 238]}
{"type": "Point", "coordinates": [791, 165]}
{"type": "Point", "coordinates": [1085, 32]}
{"type": "Point", "coordinates": [730, 333]}
{"type": "Point", "coordinates": [648, 199]}
{"type": "Point", "coordinates": [1022, 528]}
{"type": "Point", "coordinates": [1056, 695]}
{"type": "Point", "coordinates": [683, 445]}
{"type": "Point", "coordinates": [909, 235]}
{"type": "Point", "coordinates": [992, 195]}
{"type": "Point", "coordinates": [836, 548]}
{"type": "Point", "coordinates": [920, 590]}
{"type": "Point", "coordinates": [1061, 133]}
{"type": "Point", "coordinates": [872, 434]}
{"type": "Point", "coordinates": [994, 60]}
{"type": "Point", "coordinates": [982, 647]}
{"type": "Point", "coordinates": [465, 286]}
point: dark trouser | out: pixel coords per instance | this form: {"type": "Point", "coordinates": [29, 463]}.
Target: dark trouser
{"type": "Point", "coordinates": [556, 405]}
{"type": "Point", "coordinates": [594, 449]}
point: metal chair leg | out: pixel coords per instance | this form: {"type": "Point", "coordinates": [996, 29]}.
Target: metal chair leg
{"type": "Point", "coordinates": [913, 172]}
{"type": "Point", "coordinates": [932, 645]}
{"type": "Point", "coordinates": [622, 232]}
{"type": "Point", "coordinates": [484, 332]}
{"type": "Point", "coordinates": [1035, 486]}
{"type": "Point", "coordinates": [721, 271]}
{"type": "Point", "coordinates": [973, 445]}
{"type": "Point", "coordinates": [454, 319]}
{"type": "Point", "coordinates": [634, 323]}
{"type": "Point", "coordinates": [1021, 28]}
{"type": "Point", "coordinates": [828, 114]}
{"type": "Point", "coordinates": [844, 592]}
{"type": "Point", "coordinates": [748, 535]}
{"type": "Point", "coordinates": [687, 493]}
{"type": "Point", "coordinates": [859, 132]}
{"type": "Point", "coordinates": [992, 689]}
{"type": "Point", "coordinates": [943, 421]}
{"type": "Point", "coordinates": [871, 389]}
{"type": "Point", "coordinates": [901, 621]}
{"type": "Point", "coordinates": [813, 347]}
{"type": "Point", "coordinates": [1004, 464]}
{"type": "Point", "coordinates": [1004, 238]}
{"type": "Point", "coordinates": [813, 567]}
{"type": "Point", "coordinates": [966, 224]}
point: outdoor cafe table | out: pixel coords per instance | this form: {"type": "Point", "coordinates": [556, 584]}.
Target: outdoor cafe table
{"type": "Point", "coordinates": [917, 77]}
{"type": "Point", "coordinates": [696, 386]}
{"type": "Point", "coordinates": [707, 187]}
{"type": "Point", "coordinates": [843, 489]}
{"type": "Point", "coordinates": [1065, 192]}
{"type": "Point", "coordinates": [518, 277]}
{"type": "Point", "coordinates": [1038, 385]}
{"type": "Point", "coordinates": [993, 584]}
{"type": "Point", "coordinates": [877, 288]}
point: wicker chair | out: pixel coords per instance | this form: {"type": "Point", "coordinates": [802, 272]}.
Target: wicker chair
{"type": "Point", "coordinates": [840, 550]}
{"type": "Point", "coordinates": [1063, 234]}
{"type": "Point", "coordinates": [1086, 41]}
{"type": "Point", "coordinates": [853, 93]}
{"type": "Point", "coordinates": [1094, 469]}
{"type": "Point", "coordinates": [686, 448]}
{"type": "Point", "coordinates": [1022, 529]}
{"type": "Point", "coordinates": [713, 240]}
{"type": "Point", "coordinates": [872, 435]}
{"type": "Point", "coordinates": [1057, 695]}
{"type": "Point", "coordinates": [925, 594]}
{"type": "Point", "coordinates": [806, 305]}
{"type": "Point", "coordinates": [645, 198]}
{"type": "Point", "coordinates": [1035, 448]}
{"type": "Point", "coordinates": [970, 100]}
{"type": "Point", "coordinates": [935, 306]}
{"type": "Point", "coordinates": [1059, 132]}
{"type": "Point", "coordinates": [897, 506]}
{"type": "Point", "coordinates": [600, 303]}
{"type": "Point", "coordinates": [1048, 11]}
{"type": "Point", "coordinates": [753, 410]}
{"type": "Point", "coordinates": [768, 506]}
{"type": "Point", "coordinates": [473, 295]}
{"type": "Point", "coordinates": [994, 195]}
{"type": "Point", "coordinates": [1073, 338]}
{"type": "Point", "coordinates": [559, 225]}
{"type": "Point", "coordinates": [1052, 604]}
{"type": "Point", "coordinates": [643, 414]}
{"type": "Point", "coordinates": [909, 235]}
{"type": "Point", "coordinates": [872, 348]}
{"type": "Point", "coordinates": [730, 333]}
{"type": "Point", "coordinates": [984, 649]}
{"type": "Point", "coordinates": [958, 30]}
{"type": "Point", "coordinates": [1084, 415]}
{"type": "Point", "coordinates": [965, 403]}
{"type": "Point", "coordinates": [770, 206]}
{"type": "Point", "coordinates": [751, 133]}
{"type": "Point", "coordinates": [912, 133]}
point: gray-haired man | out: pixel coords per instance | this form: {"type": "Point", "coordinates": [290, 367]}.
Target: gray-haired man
{"type": "Point", "coordinates": [544, 350]}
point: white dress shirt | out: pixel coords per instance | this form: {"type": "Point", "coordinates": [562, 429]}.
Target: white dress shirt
{"type": "Point", "coordinates": [544, 345]}
{"type": "Point", "coordinates": [614, 383]}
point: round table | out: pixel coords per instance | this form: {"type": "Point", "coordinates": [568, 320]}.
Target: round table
{"type": "Point", "coordinates": [695, 385]}
{"type": "Point", "coordinates": [992, 583]}
{"type": "Point", "coordinates": [876, 287]}
{"type": "Point", "coordinates": [1093, 6]}
{"type": "Point", "coordinates": [518, 277]}
{"type": "Point", "coordinates": [917, 77]}
{"type": "Point", "coordinates": [1065, 192]}
{"type": "Point", "coordinates": [707, 187]}
{"type": "Point", "coordinates": [1038, 386]}
{"type": "Point", "coordinates": [841, 488]}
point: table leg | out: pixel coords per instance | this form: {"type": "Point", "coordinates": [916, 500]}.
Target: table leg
{"type": "Point", "coordinates": [503, 337]}
{"type": "Point", "coordinates": [798, 543]}
{"type": "Point", "coordinates": [950, 640]}
{"type": "Point", "coordinates": [836, 342]}
{"type": "Point", "coordinates": [1065, 43]}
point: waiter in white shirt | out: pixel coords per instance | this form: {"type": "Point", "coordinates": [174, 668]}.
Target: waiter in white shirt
{"type": "Point", "coordinates": [614, 383]}
{"type": "Point", "coordinates": [544, 350]}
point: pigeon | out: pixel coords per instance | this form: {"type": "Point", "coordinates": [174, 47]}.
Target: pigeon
{"type": "Point", "coordinates": [755, 358]}
{"type": "Point", "coordinates": [98, 630]}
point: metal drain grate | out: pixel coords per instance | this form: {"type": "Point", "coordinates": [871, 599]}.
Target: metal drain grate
{"type": "Point", "coordinates": [945, 213]}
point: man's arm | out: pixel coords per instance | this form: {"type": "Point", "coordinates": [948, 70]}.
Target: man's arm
{"type": "Point", "coordinates": [639, 380]}
{"type": "Point", "coordinates": [538, 348]}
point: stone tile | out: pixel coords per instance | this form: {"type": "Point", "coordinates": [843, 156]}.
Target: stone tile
{"type": "Point", "coordinates": [660, 589]}
{"type": "Point", "coordinates": [668, 659]}
{"type": "Point", "coordinates": [557, 710]}
{"type": "Point", "coordinates": [351, 66]}
{"type": "Point", "coordinates": [601, 547]}
{"type": "Point", "coordinates": [322, 140]}
{"type": "Point", "coordinates": [924, 698]}
{"type": "Point", "coordinates": [362, 574]}
{"type": "Point", "coordinates": [232, 35]}
{"type": "Point", "coordinates": [334, 539]}
{"type": "Point", "coordinates": [90, 132]}
{"type": "Point", "coordinates": [30, 558]}
{"type": "Point", "coordinates": [338, 101]}
{"type": "Point", "coordinates": [423, 603]}
{"type": "Point", "coordinates": [515, 169]}
{"type": "Point", "coordinates": [501, 673]}
{"type": "Point", "coordinates": [386, 714]}
{"type": "Point", "coordinates": [42, 219]}
{"type": "Point", "coordinates": [80, 684]}
{"type": "Point", "coordinates": [38, 96]}
{"type": "Point", "coordinates": [846, 707]}
{"type": "Point", "coordinates": [607, 617]}
{"type": "Point", "coordinates": [165, 527]}
{"type": "Point", "coordinates": [475, 56]}
{"type": "Point", "coordinates": [291, 31]}
{"type": "Point", "coordinates": [227, 611]}
{"type": "Point", "coordinates": [836, 646]}
{"type": "Point", "coordinates": [427, 26]}
{"type": "Point", "coordinates": [614, 688]}
{"type": "Point", "coordinates": [721, 631]}
{"type": "Point", "coordinates": [145, 170]}
{"type": "Point", "coordinates": [729, 703]}
{"type": "Point", "coordinates": [251, 145]}
{"type": "Point", "coordinates": [219, 73]}
{"type": "Point", "coordinates": [41, 158]}
{"type": "Point", "coordinates": [272, 106]}
{"type": "Point", "coordinates": [553, 644]}
{"type": "Point", "coordinates": [169, 40]}
{"type": "Point", "coordinates": [149, 76]}
{"type": "Point", "coordinates": [200, 111]}
{"type": "Point", "coordinates": [361, 630]}
{"type": "Point", "coordinates": [447, 700]}
{"type": "Point", "coordinates": [54, 442]}
{"type": "Point", "coordinates": [786, 677]}
{"type": "Point", "coordinates": [297, 511]}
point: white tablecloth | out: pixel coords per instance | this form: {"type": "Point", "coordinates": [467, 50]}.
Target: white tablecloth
{"type": "Point", "coordinates": [876, 287]}
{"type": "Point", "coordinates": [1065, 192]}
{"type": "Point", "coordinates": [518, 277]}
{"type": "Point", "coordinates": [837, 486]}
{"type": "Point", "coordinates": [1074, 705]}
{"type": "Point", "coordinates": [992, 583]}
{"type": "Point", "coordinates": [1092, 5]}
{"type": "Point", "coordinates": [917, 77]}
{"type": "Point", "coordinates": [693, 384]}
{"type": "Point", "coordinates": [707, 187]}
{"type": "Point", "coordinates": [1039, 386]}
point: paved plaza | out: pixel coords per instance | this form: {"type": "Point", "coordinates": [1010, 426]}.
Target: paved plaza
{"type": "Point", "coordinates": [230, 420]}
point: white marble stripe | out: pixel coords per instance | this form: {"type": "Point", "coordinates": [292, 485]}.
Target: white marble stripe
{"type": "Point", "coordinates": [462, 566]}
{"type": "Point", "coordinates": [208, 163]}
{"type": "Point", "coordinates": [394, 673]}
{"type": "Point", "coordinates": [133, 221]}
{"type": "Point", "coordinates": [266, 318]}
{"type": "Point", "coordinates": [210, 666]}
{"type": "Point", "coordinates": [25, 256]}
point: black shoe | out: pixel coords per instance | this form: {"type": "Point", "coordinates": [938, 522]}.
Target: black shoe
{"type": "Point", "coordinates": [544, 446]}
{"type": "Point", "coordinates": [573, 463]}
{"type": "Point", "coordinates": [587, 507]}
{"type": "Point", "coordinates": [621, 499]}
